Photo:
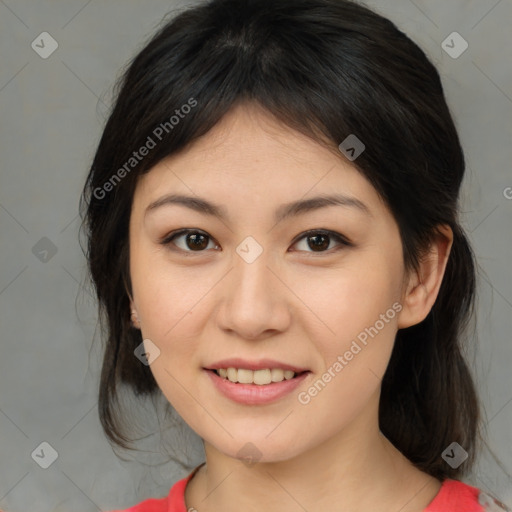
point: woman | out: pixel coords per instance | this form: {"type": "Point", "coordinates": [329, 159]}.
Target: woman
{"type": "Point", "coordinates": [272, 216]}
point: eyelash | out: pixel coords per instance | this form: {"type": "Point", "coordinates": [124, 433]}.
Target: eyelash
{"type": "Point", "coordinates": [343, 241]}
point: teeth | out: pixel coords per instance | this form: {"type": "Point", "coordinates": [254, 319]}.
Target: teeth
{"type": "Point", "coordinates": [259, 377]}
{"type": "Point", "coordinates": [232, 374]}
{"type": "Point", "coordinates": [245, 376]}
{"type": "Point", "coordinates": [277, 375]}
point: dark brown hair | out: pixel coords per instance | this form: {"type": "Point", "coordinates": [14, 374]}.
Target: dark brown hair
{"type": "Point", "coordinates": [327, 68]}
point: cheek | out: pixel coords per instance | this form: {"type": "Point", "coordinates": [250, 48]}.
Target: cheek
{"type": "Point", "coordinates": [350, 299]}
{"type": "Point", "coordinates": [168, 301]}
{"type": "Point", "coordinates": [352, 371]}
{"type": "Point", "coordinates": [166, 295]}
{"type": "Point", "coordinates": [360, 309]}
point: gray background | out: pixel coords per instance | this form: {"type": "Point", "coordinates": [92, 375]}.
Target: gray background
{"type": "Point", "coordinates": [52, 113]}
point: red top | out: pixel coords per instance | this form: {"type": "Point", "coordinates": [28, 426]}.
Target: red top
{"type": "Point", "coordinates": [454, 496]}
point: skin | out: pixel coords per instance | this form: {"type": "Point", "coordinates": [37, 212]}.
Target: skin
{"type": "Point", "coordinates": [293, 304]}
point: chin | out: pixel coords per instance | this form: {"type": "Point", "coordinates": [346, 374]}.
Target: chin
{"type": "Point", "coordinates": [251, 449]}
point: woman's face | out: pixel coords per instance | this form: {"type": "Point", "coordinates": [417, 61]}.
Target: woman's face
{"type": "Point", "coordinates": [252, 285]}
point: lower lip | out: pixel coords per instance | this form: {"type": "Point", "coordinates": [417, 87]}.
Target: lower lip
{"type": "Point", "coordinates": [254, 394]}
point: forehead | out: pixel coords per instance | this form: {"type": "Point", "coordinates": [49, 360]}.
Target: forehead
{"type": "Point", "coordinates": [252, 157]}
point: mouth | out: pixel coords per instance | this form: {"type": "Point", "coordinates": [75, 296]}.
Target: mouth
{"type": "Point", "coordinates": [255, 387]}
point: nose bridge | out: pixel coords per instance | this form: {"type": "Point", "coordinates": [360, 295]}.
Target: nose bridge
{"type": "Point", "coordinates": [251, 272]}
{"type": "Point", "coordinates": [253, 302]}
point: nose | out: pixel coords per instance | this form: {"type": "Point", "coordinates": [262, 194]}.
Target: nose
{"type": "Point", "coordinates": [255, 300]}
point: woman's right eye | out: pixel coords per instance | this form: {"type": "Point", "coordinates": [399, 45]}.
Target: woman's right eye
{"type": "Point", "coordinates": [192, 240]}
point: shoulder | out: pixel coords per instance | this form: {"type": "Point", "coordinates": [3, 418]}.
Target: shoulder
{"type": "Point", "coordinates": [457, 496]}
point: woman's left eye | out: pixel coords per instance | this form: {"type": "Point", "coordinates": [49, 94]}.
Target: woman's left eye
{"type": "Point", "coordinates": [320, 239]}
{"type": "Point", "coordinates": [197, 241]}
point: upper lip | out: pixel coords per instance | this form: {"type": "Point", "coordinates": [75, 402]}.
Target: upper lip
{"type": "Point", "coordinates": [262, 364]}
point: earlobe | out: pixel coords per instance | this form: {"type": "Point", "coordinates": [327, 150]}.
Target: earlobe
{"type": "Point", "coordinates": [135, 319]}
{"type": "Point", "coordinates": [134, 315]}
{"type": "Point", "coordinates": [423, 286]}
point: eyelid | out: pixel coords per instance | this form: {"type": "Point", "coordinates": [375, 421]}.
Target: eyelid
{"type": "Point", "coordinates": [342, 240]}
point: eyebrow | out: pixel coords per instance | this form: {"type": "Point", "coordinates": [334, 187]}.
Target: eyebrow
{"type": "Point", "coordinates": [285, 211]}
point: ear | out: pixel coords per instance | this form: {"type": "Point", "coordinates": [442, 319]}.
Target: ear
{"type": "Point", "coordinates": [422, 287]}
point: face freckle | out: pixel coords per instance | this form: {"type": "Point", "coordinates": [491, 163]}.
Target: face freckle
{"type": "Point", "coordinates": [260, 290]}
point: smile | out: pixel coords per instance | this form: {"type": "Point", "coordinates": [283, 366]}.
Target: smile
{"type": "Point", "coordinates": [251, 387]}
